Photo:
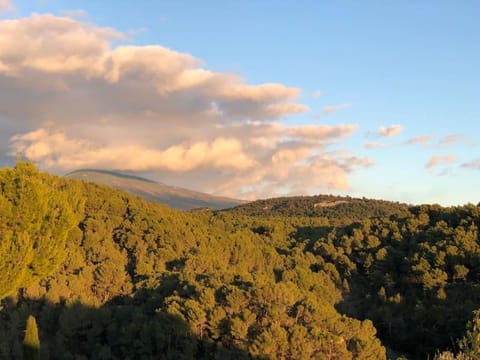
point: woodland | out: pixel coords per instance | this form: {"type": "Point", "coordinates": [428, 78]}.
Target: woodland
{"type": "Point", "coordinates": [89, 272]}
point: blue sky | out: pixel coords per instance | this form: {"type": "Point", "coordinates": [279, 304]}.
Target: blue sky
{"type": "Point", "coordinates": [382, 63]}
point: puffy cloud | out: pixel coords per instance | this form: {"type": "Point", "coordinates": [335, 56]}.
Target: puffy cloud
{"type": "Point", "coordinates": [390, 130]}
{"type": "Point", "coordinates": [317, 94]}
{"type": "Point", "coordinates": [437, 160]}
{"type": "Point", "coordinates": [52, 45]}
{"type": "Point", "coordinates": [296, 171]}
{"type": "Point", "coordinates": [236, 163]}
{"type": "Point", "coordinates": [419, 139]}
{"type": "Point", "coordinates": [330, 109]}
{"type": "Point", "coordinates": [55, 149]}
{"type": "Point", "coordinates": [46, 52]}
{"type": "Point", "coordinates": [70, 99]}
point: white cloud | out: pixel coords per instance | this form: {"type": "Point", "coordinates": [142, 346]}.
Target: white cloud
{"type": "Point", "coordinates": [389, 131]}
{"type": "Point", "coordinates": [55, 149]}
{"type": "Point", "coordinates": [330, 109]}
{"type": "Point", "coordinates": [437, 160]}
{"type": "Point", "coordinates": [74, 100]}
{"type": "Point", "coordinates": [419, 139]}
{"type": "Point", "coordinates": [317, 94]}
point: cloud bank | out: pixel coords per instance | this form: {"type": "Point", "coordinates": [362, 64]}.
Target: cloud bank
{"type": "Point", "coordinates": [72, 99]}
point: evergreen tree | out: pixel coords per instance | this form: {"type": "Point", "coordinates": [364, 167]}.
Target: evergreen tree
{"type": "Point", "coordinates": [470, 344]}
{"type": "Point", "coordinates": [31, 342]}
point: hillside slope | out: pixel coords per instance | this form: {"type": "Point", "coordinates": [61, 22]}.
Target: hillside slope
{"type": "Point", "coordinates": [143, 281]}
{"type": "Point", "coordinates": [327, 206]}
{"type": "Point", "coordinates": [108, 275]}
{"type": "Point", "coordinates": [175, 197]}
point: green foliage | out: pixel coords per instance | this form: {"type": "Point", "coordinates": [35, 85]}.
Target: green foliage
{"type": "Point", "coordinates": [109, 275]}
{"type": "Point", "coordinates": [140, 280]}
{"type": "Point", "coordinates": [36, 215]}
{"type": "Point", "coordinates": [335, 208]}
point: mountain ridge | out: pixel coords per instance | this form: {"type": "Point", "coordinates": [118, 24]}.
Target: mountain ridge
{"type": "Point", "coordinates": [175, 197]}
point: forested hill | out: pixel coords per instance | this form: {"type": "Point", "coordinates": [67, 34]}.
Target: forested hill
{"type": "Point", "coordinates": [175, 197]}
{"type": "Point", "coordinates": [108, 275]}
{"type": "Point", "coordinates": [328, 206]}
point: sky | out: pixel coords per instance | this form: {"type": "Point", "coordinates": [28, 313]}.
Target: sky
{"type": "Point", "coordinates": [249, 99]}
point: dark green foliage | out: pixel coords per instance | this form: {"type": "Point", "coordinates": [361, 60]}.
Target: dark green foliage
{"type": "Point", "coordinates": [415, 274]}
{"type": "Point", "coordinates": [31, 342]}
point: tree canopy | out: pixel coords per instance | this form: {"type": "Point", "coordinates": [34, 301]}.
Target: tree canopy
{"type": "Point", "coordinates": [108, 275]}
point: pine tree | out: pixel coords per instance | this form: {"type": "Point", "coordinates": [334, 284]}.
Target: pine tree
{"type": "Point", "coordinates": [37, 212]}
{"type": "Point", "coordinates": [31, 342]}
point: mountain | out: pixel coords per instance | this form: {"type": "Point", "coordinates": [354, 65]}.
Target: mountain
{"type": "Point", "coordinates": [175, 197]}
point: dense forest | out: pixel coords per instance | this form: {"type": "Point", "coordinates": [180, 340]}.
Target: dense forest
{"type": "Point", "coordinates": [89, 272]}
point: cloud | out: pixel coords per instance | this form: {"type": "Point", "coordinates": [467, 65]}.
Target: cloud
{"type": "Point", "coordinates": [6, 5]}
{"type": "Point", "coordinates": [57, 150]}
{"type": "Point", "coordinates": [330, 109]}
{"type": "Point", "coordinates": [317, 94]}
{"type": "Point", "coordinates": [74, 13]}
{"type": "Point", "coordinates": [419, 139]}
{"type": "Point", "coordinates": [71, 99]}
{"type": "Point", "coordinates": [373, 145]}
{"type": "Point", "coordinates": [51, 56]}
{"type": "Point", "coordinates": [437, 160]}
{"type": "Point", "coordinates": [452, 139]}
{"type": "Point", "coordinates": [474, 164]}
{"type": "Point", "coordinates": [389, 131]}
{"type": "Point", "coordinates": [297, 171]}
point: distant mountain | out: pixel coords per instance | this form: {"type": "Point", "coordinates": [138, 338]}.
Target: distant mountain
{"type": "Point", "coordinates": [175, 197]}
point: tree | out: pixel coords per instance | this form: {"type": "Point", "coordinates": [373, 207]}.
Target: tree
{"type": "Point", "coordinates": [37, 212]}
{"type": "Point", "coordinates": [31, 342]}
{"type": "Point", "coordinates": [470, 344]}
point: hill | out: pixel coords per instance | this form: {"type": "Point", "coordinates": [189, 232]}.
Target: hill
{"type": "Point", "coordinates": [175, 197]}
{"type": "Point", "coordinates": [327, 206]}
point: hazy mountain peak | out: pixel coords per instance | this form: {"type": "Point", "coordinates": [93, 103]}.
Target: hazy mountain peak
{"type": "Point", "coordinates": [175, 197]}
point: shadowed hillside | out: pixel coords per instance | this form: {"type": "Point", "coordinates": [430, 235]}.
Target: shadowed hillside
{"type": "Point", "coordinates": [175, 197]}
